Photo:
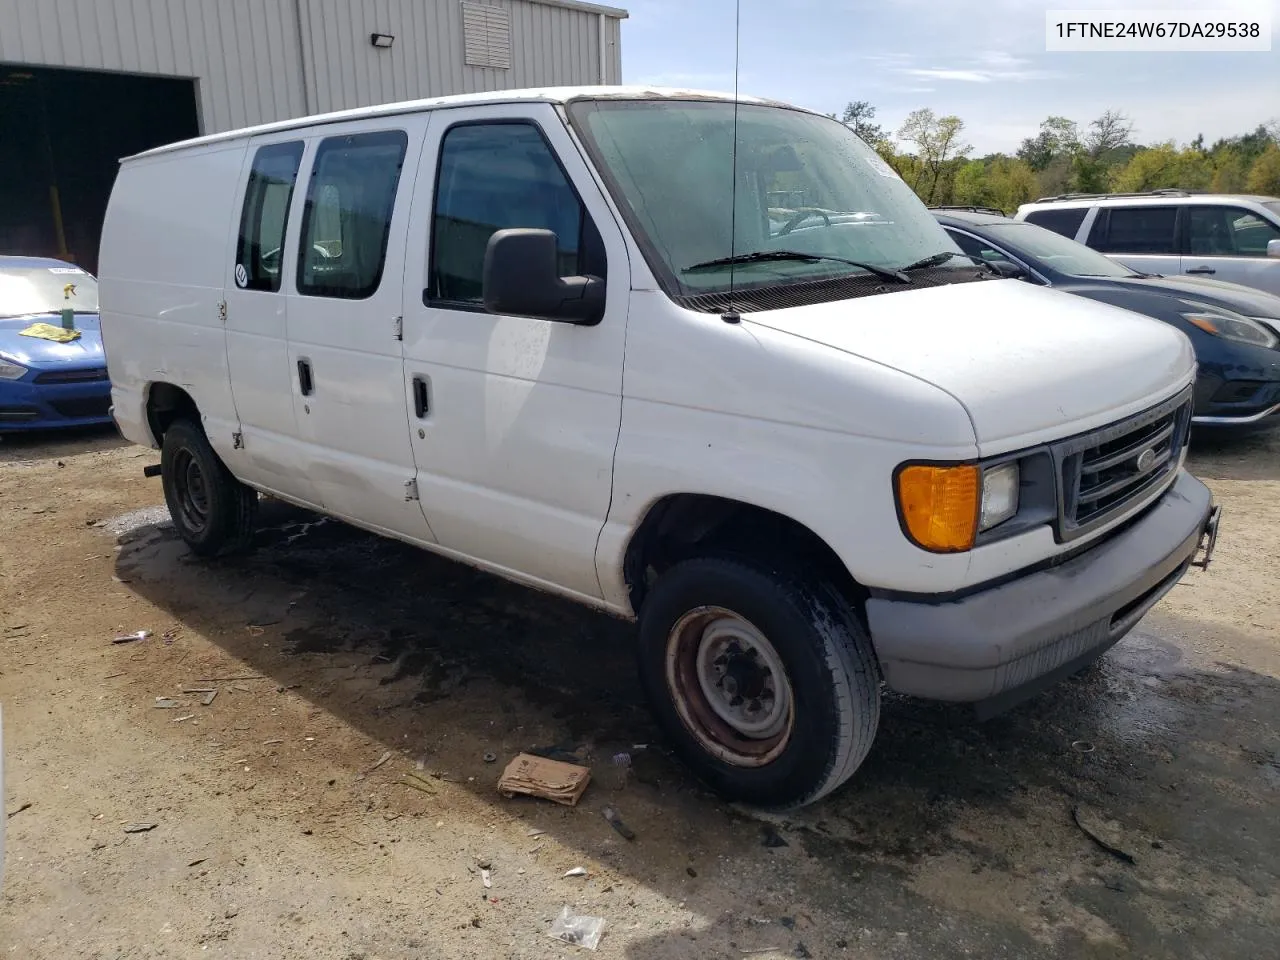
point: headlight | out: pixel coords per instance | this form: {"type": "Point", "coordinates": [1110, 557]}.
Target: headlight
{"type": "Point", "coordinates": [999, 495]}
{"type": "Point", "coordinates": [1268, 323]}
{"type": "Point", "coordinates": [943, 508]}
{"type": "Point", "coordinates": [10, 370]}
{"type": "Point", "coordinates": [1239, 329]}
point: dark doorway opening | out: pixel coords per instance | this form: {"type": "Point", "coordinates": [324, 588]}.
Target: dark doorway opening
{"type": "Point", "coordinates": [62, 133]}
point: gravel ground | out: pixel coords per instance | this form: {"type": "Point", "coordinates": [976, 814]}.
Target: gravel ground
{"type": "Point", "coordinates": [277, 834]}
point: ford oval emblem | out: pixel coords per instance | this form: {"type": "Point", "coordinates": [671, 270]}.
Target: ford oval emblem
{"type": "Point", "coordinates": [1146, 460]}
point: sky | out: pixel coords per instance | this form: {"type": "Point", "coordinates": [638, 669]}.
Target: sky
{"type": "Point", "coordinates": [983, 61]}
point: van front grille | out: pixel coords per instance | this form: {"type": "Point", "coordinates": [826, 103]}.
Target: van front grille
{"type": "Point", "coordinates": [1107, 471]}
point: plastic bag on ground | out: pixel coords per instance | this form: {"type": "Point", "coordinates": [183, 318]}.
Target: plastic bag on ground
{"type": "Point", "coordinates": [581, 931]}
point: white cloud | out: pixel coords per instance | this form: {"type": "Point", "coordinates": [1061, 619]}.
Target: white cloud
{"type": "Point", "coordinates": [984, 68]}
{"type": "Point", "coordinates": [711, 80]}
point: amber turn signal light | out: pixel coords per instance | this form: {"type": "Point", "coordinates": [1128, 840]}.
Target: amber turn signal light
{"type": "Point", "coordinates": [939, 505]}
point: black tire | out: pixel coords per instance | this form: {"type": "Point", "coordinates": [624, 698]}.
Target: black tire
{"type": "Point", "coordinates": [213, 511]}
{"type": "Point", "coordinates": [832, 680]}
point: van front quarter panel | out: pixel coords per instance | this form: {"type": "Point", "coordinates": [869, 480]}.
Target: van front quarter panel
{"type": "Point", "coordinates": [750, 414]}
{"type": "Point", "coordinates": [165, 242]}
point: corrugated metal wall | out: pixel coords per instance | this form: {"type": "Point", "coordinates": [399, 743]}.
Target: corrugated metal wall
{"type": "Point", "coordinates": [243, 52]}
{"type": "Point", "coordinates": [549, 45]}
{"type": "Point", "coordinates": [250, 57]}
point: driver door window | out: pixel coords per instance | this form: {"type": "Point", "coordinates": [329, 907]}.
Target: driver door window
{"type": "Point", "coordinates": [496, 176]}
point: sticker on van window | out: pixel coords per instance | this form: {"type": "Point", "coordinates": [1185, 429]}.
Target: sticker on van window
{"type": "Point", "coordinates": [242, 276]}
{"type": "Point", "coordinates": [65, 270]}
{"type": "Point", "coordinates": [877, 163]}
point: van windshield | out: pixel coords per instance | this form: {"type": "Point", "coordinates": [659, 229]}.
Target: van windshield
{"type": "Point", "coordinates": [806, 184]}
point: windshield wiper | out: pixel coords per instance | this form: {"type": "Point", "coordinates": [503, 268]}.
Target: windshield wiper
{"type": "Point", "coordinates": [765, 256]}
{"type": "Point", "coordinates": [938, 259]}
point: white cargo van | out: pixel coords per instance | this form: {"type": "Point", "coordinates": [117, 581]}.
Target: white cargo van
{"type": "Point", "coordinates": [753, 397]}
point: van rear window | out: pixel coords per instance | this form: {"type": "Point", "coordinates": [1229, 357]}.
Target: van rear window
{"type": "Point", "coordinates": [265, 214]}
{"type": "Point", "coordinates": [347, 219]}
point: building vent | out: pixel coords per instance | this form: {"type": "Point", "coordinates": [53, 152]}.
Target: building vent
{"type": "Point", "coordinates": [486, 33]}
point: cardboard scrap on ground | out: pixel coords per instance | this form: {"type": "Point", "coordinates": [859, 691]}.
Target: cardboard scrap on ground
{"type": "Point", "coordinates": [539, 777]}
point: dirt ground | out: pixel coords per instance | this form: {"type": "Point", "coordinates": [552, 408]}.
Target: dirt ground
{"type": "Point", "coordinates": [277, 834]}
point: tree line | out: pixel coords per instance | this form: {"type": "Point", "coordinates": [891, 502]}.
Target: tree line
{"type": "Point", "coordinates": [929, 152]}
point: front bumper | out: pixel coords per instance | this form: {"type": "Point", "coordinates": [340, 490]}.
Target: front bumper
{"type": "Point", "coordinates": [1005, 643]}
{"type": "Point", "coordinates": [1240, 400]}
{"type": "Point", "coordinates": [42, 406]}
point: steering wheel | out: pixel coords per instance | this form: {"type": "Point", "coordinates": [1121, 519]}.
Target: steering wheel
{"type": "Point", "coordinates": [801, 217]}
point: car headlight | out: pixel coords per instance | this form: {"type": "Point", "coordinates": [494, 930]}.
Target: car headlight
{"type": "Point", "coordinates": [1239, 329]}
{"type": "Point", "coordinates": [944, 508]}
{"type": "Point", "coordinates": [1268, 323]}
{"type": "Point", "coordinates": [9, 370]}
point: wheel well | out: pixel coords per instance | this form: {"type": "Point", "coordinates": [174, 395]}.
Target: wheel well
{"type": "Point", "coordinates": [165, 404]}
{"type": "Point", "coordinates": [686, 525]}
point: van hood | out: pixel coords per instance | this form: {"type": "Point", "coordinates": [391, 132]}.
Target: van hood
{"type": "Point", "coordinates": [1027, 363]}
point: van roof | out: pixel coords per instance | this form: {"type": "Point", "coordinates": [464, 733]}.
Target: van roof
{"type": "Point", "coordinates": [533, 94]}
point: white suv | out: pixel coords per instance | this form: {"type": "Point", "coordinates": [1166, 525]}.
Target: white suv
{"type": "Point", "coordinates": [1219, 236]}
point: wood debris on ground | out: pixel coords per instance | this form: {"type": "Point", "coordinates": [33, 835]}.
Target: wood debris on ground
{"type": "Point", "coordinates": [553, 780]}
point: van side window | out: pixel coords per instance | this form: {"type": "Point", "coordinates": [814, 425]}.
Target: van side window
{"type": "Point", "coordinates": [347, 218]}
{"type": "Point", "coordinates": [1141, 230]}
{"type": "Point", "coordinates": [265, 214]}
{"type": "Point", "coordinates": [494, 176]}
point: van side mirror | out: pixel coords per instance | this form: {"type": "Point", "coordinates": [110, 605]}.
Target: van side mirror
{"type": "Point", "coordinates": [521, 278]}
{"type": "Point", "coordinates": [1273, 248]}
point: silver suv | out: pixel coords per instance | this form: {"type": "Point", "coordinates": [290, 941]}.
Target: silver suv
{"type": "Point", "coordinates": [1219, 236]}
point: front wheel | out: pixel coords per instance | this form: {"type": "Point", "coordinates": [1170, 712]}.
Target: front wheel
{"type": "Point", "coordinates": [212, 510]}
{"type": "Point", "coordinates": [765, 683]}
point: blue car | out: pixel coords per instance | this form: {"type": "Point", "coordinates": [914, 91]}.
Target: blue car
{"type": "Point", "coordinates": [43, 383]}
{"type": "Point", "coordinates": [1234, 330]}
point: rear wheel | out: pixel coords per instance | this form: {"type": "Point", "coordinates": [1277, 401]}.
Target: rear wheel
{"type": "Point", "coordinates": [765, 683]}
{"type": "Point", "coordinates": [211, 510]}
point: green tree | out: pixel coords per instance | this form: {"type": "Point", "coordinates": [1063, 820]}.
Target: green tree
{"type": "Point", "coordinates": [1230, 173]}
{"type": "Point", "coordinates": [1164, 165]}
{"type": "Point", "coordinates": [972, 185]}
{"type": "Point", "coordinates": [1058, 137]}
{"type": "Point", "coordinates": [858, 116]}
{"type": "Point", "coordinates": [1013, 183]}
{"type": "Point", "coordinates": [1264, 175]}
{"type": "Point", "coordinates": [1088, 175]}
{"type": "Point", "coordinates": [1150, 169]}
{"type": "Point", "coordinates": [1110, 132]}
{"type": "Point", "coordinates": [938, 152]}
{"type": "Point", "coordinates": [1249, 145]}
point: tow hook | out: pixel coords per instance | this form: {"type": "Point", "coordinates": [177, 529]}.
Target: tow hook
{"type": "Point", "coordinates": [1208, 538]}
{"type": "Point", "coordinates": [151, 471]}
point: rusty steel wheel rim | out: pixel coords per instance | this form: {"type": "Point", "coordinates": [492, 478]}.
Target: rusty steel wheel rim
{"type": "Point", "coordinates": [729, 686]}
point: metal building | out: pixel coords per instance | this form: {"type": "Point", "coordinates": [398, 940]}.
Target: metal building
{"type": "Point", "coordinates": [84, 82]}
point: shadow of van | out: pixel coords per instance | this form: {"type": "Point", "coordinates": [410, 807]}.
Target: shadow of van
{"type": "Point", "coordinates": [952, 837]}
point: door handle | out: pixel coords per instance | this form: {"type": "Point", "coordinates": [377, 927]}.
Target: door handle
{"type": "Point", "coordinates": [421, 403]}
{"type": "Point", "coordinates": [1202, 270]}
{"type": "Point", "coordinates": [305, 383]}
